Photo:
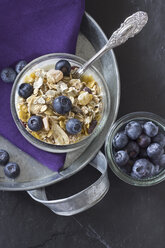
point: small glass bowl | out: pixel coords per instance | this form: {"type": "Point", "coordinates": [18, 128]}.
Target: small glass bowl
{"type": "Point", "coordinates": [117, 126]}
{"type": "Point", "coordinates": [50, 59]}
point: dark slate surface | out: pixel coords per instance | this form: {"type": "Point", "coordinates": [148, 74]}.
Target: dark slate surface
{"type": "Point", "coordinates": [128, 216]}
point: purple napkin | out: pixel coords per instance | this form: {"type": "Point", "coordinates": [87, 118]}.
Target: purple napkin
{"type": "Point", "coordinates": [28, 29]}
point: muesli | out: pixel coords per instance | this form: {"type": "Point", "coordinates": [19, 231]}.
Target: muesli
{"type": "Point", "coordinates": [59, 109]}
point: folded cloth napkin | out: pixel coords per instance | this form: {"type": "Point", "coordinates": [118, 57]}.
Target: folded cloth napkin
{"type": "Point", "coordinates": [28, 29]}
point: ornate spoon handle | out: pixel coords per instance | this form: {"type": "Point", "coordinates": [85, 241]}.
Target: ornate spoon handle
{"type": "Point", "coordinates": [128, 29]}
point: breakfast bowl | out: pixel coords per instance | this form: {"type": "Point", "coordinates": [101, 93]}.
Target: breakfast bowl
{"type": "Point", "coordinates": [25, 108]}
{"type": "Point", "coordinates": [135, 148]}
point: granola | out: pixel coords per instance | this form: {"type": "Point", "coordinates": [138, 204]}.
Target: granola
{"type": "Point", "coordinates": [85, 99]}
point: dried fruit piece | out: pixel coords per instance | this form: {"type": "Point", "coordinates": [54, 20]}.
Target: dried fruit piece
{"type": "Point", "coordinates": [36, 135]}
{"type": "Point", "coordinates": [92, 126]}
{"type": "Point", "coordinates": [88, 90]}
{"type": "Point", "coordinates": [62, 124]}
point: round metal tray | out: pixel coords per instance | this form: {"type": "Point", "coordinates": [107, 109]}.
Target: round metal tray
{"type": "Point", "coordinates": [35, 175]}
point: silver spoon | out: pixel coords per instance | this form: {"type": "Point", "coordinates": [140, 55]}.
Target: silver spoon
{"type": "Point", "coordinates": [128, 29]}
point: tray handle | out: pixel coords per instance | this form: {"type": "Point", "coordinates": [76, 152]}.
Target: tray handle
{"type": "Point", "coordinates": [82, 200]}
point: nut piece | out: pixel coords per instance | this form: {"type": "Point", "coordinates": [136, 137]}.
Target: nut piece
{"type": "Point", "coordinates": [62, 86]}
{"type": "Point", "coordinates": [76, 83]}
{"type": "Point", "coordinates": [54, 76]}
{"type": "Point", "coordinates": [60, 137]}
{"type": "Point", "coordinates": [84, 98]}
{"type": "Point", "coordinates": [46, 123]}
{"type": "Point", "coordinates": [43, 108]}
{"type": "Point", "coordinates": [50, 93]}
{"type": "Point", "coordinates": [37, 84]}
{"type": "Point", "coordinates": [39, 100]}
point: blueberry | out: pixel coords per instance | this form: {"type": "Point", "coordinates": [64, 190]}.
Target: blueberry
{"type": "Point", "coordinates": [143, 153]}
{"type": "Point", "coordinates": [154, 151]}
{"type": "Point", "coordinates": [128, 167]}
{"type": "Point", "coordinates": [73, 126]}
{"type": "Point", "coordinates": [8, 75]}
{"type": "Point", "coordinates": [157, 169]}
{"type": "Point", "coordinates": [133, 130]}
{"type": "Point", "coordinates": [62, 104]}
{"type": "Point", "coordinates": [25, 90]}
{"type": "Point", "coordinates": [35, 123]}
{"type": "Point", "coordinates": [4, 157]}
{"type": "Point", "coordinates": [142, 168]}
{"type": "Point", "coordinates": [121, 158]}
{"type": "Point", "coordinates": [162, 161]}
{"type": "Point", "coordinates": [132, 149]}
{"type": "Point", "coordinates": [150, 129]}
{"type": "Point", "coordinates": [143, 140]}
{"type": "Point", "coordinates": [64, 66]}
{"type": "Point", "coordinates": [156, 160]}
{"type": "Point", "coordinates": [120, 140]}
{"type": "Point", "coordinates": [20, 65]}
{"type": "Point", "coordinates": [12, 170]}
{"type": "Point", "coordinates": [160, 139]}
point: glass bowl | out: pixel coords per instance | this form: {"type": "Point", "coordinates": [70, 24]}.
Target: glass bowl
{"type": "Point", "coordinates": [117, 126]}
{"type": "Point", "coordinates": [50, 59]}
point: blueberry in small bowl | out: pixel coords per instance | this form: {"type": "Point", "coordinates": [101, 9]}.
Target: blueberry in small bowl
{"type": "Point", "coordinates": [135, 148]}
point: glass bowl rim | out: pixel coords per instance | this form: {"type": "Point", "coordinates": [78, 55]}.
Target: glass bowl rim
{"type": "Point", "coordinates": [109, 153]}
{"type": "Point", "coordinates": [41, 144]}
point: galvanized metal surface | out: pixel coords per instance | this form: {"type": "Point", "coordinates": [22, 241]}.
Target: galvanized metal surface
{"type": "Point", "coordinates": [82, 200]}
{"type": "Point", "coordinates": [35, 175]}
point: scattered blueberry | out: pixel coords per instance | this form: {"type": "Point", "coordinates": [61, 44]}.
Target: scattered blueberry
{"type": "Point", "coordinates": [160, 139]}
{"type": "Point", "coordinates": [62, 104]}
{"type": "Point", "coordinates": [154, 151]}
{"type": "Point", "coordinates": [132, 149]}
{"type": "Point", "coordinates": [12, 170]}
{"type": "Point", "coordinates": [25, 90]}
{"type": "Point", "coordinates": [8, 75]}
{"type": "Point", "coordinates": [143, 140]}
{"type": "Point", "coordinates": [64, 66]}
{"type": "Point", "coordinates": [35, 123]}
{"type": "Point", "coordinates": [121, 158]}
{"type": "Point", "coordinates": [142, 168]}
{"type": "Point", "coordinates": [133, 130]}
{"type": "Point", "coordinates": [120, 140]}
{"type": "Point", "coordinates": [162, 161]}
{"type": "Point", "coordinates": [150, 129]}
{"type": "Point", "coordinates": [4, 157]}
{"type": "Point", "coordinates": [73, 126]}
{"type": "Point", "coordinates": [20, 65]}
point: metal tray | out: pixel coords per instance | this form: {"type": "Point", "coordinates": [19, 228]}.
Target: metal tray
{"type": "Point", "coordinates": [35, 175]}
